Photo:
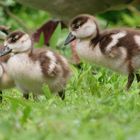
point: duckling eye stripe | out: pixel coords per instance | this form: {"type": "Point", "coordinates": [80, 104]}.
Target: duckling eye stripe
{"type": "Point", "coordinates": [52, 64]}
{"type": "Point", "coordinates": [115, 40]}
{"type": "Point", "coordinates": [137, 39]}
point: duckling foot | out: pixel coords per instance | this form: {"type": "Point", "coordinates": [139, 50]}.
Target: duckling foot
{"type": "Point", "coordinates": [26, 96]}
{"type": "Point", "coordinates": [0, 96]}
{"type": "Point", "coordinates": [62, 94]}
{"type": "Point", "coordinates": [138, 77]}
{"type": "Point", "coordinates": [130, 80]}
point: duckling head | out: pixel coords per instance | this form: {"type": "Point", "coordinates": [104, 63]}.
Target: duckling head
{"type": "Point", "coordinates": [82, 27]}
{"type": "Point", "coordinates": [17, 42]}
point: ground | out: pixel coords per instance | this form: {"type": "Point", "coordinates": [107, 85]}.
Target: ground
{"type": "Point", "coordinates": [96, 107]}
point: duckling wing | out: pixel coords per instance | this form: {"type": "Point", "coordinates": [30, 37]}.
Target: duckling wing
{"type": "Point", "coordinates": [112, 42]}
{"type": "Point", "coordinates": [49, 64]}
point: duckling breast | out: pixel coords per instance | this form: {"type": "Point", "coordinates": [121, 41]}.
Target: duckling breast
{"type": "Point", "coordinates": [5, 80]}
{"type": "Point", "coordinates": [21, 67]}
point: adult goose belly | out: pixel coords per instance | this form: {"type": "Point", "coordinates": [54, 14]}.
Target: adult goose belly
{"type": "Point", "coordinates": [26, 73]}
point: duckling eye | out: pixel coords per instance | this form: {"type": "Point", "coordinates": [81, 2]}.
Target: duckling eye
{"type": "Point", "coordinates": [14, 38]}
{"type": "Point", "coordinates": [77, 26]}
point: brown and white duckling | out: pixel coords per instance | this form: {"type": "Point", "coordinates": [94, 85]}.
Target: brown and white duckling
{"type": "Point", "coordinates": [6, 81]}
{"type": "Point", "coordinates": [117, 49]}
{"type": "Point", "coordinates": [31, 68]}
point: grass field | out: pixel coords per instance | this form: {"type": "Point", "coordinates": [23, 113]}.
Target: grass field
{"type": "Point", "coordinates": [96, 107]}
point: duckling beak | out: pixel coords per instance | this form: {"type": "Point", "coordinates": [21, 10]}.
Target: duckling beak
{"type": "Point", "coordinates": [6, 50]}
{"type": "Point", "coordinates": [69, 39]}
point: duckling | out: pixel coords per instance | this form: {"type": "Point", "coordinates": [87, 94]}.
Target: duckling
{"type": "Point", "coordinates": [6, 81]}
{"type": "Point", "coordinates": [117, 49]}
{"type": "Point", "coordinates": [31, 68]}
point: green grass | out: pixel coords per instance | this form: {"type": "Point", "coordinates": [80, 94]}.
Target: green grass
{"type": "Point", "coordinates": [96, 107]}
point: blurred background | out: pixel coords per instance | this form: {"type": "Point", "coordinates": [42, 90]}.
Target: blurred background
{"type": "Point", "coordinates": [24, 16]}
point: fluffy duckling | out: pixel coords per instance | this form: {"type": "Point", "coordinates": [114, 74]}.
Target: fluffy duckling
{"type": "Point", "coordinates": [6, 81]}
{"type": "Point", "coordinates": [31, 68]}
{"type": "Point", "coordinates": [117, 49]}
